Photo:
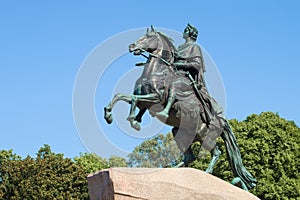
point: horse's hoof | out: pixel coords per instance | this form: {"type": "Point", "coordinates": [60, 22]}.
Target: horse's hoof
{"type": "Point", "coordinates": [108, 117]}
{"type": "Point", "coordinates": [134, 124]}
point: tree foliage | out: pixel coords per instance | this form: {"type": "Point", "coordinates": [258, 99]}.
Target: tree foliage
{"type": "Point", "coordinates": [8, 155]}
{"type": "Point", "coordinates": [48, 176]}
{"type": "Point", "coordinates": [116, 161]}
{"type": "Point", "coordinates": [91, 162]}
{"type": "Point", "coordinates": [270, 150]}
{"type": "Point", "coordinates": [159, 151]}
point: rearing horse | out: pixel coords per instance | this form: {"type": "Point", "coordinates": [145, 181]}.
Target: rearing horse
{"type": "Point", "coordinates": [150, 94]}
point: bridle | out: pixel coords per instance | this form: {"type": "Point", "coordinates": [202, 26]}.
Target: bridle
{"type": "Point", "coordinates": [154, 55]}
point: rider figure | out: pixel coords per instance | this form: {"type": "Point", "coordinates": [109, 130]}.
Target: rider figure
{"type": "Point", "coordinates": [188, 59]}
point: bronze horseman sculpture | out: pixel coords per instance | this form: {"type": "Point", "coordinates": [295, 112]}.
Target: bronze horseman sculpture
{"type": "Point", "coordinates": [173, 89]}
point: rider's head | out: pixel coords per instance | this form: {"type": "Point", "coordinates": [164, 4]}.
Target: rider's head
{"type": "Point", "coordinates": [190, 31]}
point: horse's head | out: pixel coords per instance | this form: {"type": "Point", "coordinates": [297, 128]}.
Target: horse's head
{"type": "Point", "coordinates": [153, 41]}
{"type": "Point", "coordinates": [149, 42]}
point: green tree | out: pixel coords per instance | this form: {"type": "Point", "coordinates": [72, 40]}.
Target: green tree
{"type": "Point", "coordinates": [48, 176]}
{"type": "Point", "coordinates": [8, 155]}
{"type": "Point", "coordinates": [159, 151]}
{"type": "Point", "coordinates": [270, 148]}
{"type": "Point", "coordinates": [116, 161]}
{"type": "Point", "coordinates": [91, 162]}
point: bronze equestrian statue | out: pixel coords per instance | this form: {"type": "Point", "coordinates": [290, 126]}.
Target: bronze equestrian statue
{"type": "Point", "coordinates": [172, 88]}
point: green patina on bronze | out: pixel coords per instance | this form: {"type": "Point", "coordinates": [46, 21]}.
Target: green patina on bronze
{"type": "Point", "coordinates": [172, 88]}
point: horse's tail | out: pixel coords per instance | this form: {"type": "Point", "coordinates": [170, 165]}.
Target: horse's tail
{"type": "Point", "coordinates": [234, 157]}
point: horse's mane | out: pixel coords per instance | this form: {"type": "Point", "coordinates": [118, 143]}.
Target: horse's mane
{"type": "Point", "coordinates": [168, 40]}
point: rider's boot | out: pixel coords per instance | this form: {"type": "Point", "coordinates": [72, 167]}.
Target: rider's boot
{"type": "Point", "coordinates": [164, 114]}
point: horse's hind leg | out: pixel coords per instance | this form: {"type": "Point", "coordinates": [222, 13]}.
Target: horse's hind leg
{"type": "Point", "coordinates": [107, 110]}
{"type": "Point", "coordinates": [215, 154]}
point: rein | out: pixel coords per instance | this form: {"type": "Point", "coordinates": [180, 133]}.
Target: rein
{"type": "Point", "coordinates": [155, 56]}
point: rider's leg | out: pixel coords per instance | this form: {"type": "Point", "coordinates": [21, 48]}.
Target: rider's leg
{"type": "Point", "coordinates": [171, 99]}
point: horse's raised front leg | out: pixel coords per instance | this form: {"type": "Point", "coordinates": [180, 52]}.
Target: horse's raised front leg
{"type": "Point", "coordinates": [132, 118]}
{"type": "Point", "coordinates": [136, 120]}
{"type": "Point", "coordinates": [142, 99]}
{"type": "Point", "coordinates": [139, 116]}
{"type": "Point", "coordinates": [215, 154]}
{"type": "Point", "coordinates": [107, 110]}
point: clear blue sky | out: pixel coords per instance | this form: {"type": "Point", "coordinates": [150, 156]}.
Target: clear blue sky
{"type": "Point", "coordinates": [255, 45]}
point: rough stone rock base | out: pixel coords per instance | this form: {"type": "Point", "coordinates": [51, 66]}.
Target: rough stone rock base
{"type": "Point", "coordinates": [161, 184]}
